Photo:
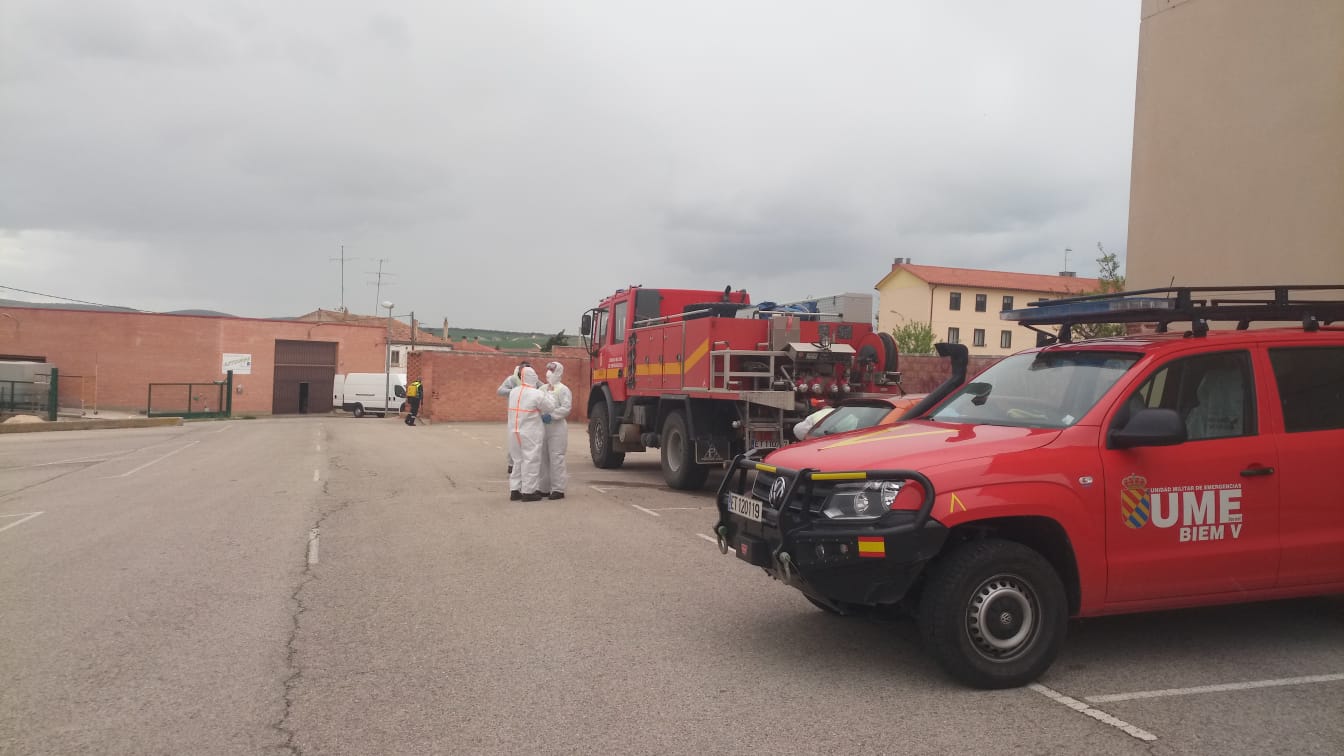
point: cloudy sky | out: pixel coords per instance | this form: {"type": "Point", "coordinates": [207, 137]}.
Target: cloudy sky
{"type": "Point", "coordinates": [512, 162]}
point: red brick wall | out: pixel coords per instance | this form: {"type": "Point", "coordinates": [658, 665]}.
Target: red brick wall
{"type": "Point", "coordinates": [461, 385]}
{"type": "Point", "coordinates": [118, 354]}
{"type": "Point", "coordinates": [922, 373]}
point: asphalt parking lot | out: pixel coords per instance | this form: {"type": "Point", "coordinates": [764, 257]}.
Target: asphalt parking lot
{"type": "Point", "coordinates": [332, 585]}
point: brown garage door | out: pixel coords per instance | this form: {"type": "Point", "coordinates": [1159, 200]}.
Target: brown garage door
{"type": "Point", "coordinates": [305, 372]}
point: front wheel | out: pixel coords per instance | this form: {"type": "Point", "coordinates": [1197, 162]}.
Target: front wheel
{"type": "Point", "coordinates": [358, 410]}
{"type": "Point", "coordinates": [993, 613]}
{"type": "Point", "coordinates": [599, 439]}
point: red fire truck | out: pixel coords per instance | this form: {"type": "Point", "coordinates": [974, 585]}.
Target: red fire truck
{"type": "Point", "coordinates": [1153, 471]}
{"type": "Point", "coordinates": [705, 375]}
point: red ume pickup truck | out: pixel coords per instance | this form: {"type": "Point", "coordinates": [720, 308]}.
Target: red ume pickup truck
{"type": "Point", "coordinates": [1151, 471]}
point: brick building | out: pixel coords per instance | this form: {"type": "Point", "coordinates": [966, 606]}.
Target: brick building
{"type": "Point", "coordinates": [107, 359]}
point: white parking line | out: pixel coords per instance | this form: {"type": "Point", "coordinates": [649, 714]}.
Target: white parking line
{"type": "Point", "coordinates": [707, 538]}
{"type": "Point", "coordinates": [314, 476]}
{"type": "Point", "coordinates": [25, 515]}
{"type": "Point", "coordinates": [599, 489]}
{"type": "Point", "coordinates": [154, 461]}
{"type": "Point", "coordinates": [1096, 714]}
{"type": "Point", "coordinates": [70, 461]}
{"type": "Point", "coordinates": [312, 546]}
{"type": "Point", "coordinates": [1309, 679]}
{"type": "Point", "coordinates": [646, 511]}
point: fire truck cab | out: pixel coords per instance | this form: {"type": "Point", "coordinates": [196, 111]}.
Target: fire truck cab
{"type": "Point", "coordinates": [705, 375]}
{"type": "Point", "coordinates": [1152, 471]}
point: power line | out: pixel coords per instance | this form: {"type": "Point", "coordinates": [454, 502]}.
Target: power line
{"type": "Point", "coordinates": [66, 299]}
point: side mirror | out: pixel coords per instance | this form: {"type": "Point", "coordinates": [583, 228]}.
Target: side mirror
{"type": "Point", "coordinates": [1149, 427]}
{"type": "Point", "coordinates": [586, 325]}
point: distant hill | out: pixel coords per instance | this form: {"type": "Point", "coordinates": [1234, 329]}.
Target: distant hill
{"type": "Point", "coordinates": [508, 340]}
{"type": "Point", "coordinates": [64, 306]}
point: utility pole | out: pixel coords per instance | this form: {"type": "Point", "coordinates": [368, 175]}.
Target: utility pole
{"type": "Point", "coordinates": [380, 274]}
{"type": "Point", "coordinates": [342, 258]}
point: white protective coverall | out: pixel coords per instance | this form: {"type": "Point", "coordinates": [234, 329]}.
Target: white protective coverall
{"type": "Point", "coordinates": [508, 385]}
{"type": "Point", "coordinates": [526, 432]}
{"type": "Point", "coordinates": [808, 423]}
{"type": "Point", "coordinates": [554, 474]}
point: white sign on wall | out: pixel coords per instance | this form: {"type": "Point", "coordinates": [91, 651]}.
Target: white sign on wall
{"type": "Point", "coordinates": [240, 364]}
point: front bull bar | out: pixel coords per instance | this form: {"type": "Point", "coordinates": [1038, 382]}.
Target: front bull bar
{"type": "Point", "coordinates": [793, 521]}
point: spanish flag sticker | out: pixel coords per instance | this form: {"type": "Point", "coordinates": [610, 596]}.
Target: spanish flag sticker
{"type": "Point", "coordinates": [872, 546]}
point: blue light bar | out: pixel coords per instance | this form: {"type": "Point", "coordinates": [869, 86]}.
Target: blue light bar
{"type": "Point", "coordinates": [1058, 313]}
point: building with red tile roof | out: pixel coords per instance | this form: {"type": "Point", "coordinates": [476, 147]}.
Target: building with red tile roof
{"type": "Point", "coordinates": [962, 305]}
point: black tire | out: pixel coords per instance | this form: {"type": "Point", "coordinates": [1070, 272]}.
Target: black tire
{"type": "Point", "coordinates": [599, 439]}
{"type": "Point", "coordinates": [679, 467]}
{"type": "Point", "coordinates": [1015, 586]}
{"type": "Point", "coordinates": [358, 410]}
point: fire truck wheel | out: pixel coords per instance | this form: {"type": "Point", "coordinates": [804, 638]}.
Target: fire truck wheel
{"type": "Point", "coordinates": [599, 439]}
{"type": "Point", "coordinates": [993, 613]}
{"type": "Point", "coordinates": [359, 410]}
{"type": "Point", "coordinates": [679, 467]}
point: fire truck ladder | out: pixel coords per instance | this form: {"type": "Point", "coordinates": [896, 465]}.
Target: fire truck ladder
{"type": "Point", "coordinates": [1240, 304]}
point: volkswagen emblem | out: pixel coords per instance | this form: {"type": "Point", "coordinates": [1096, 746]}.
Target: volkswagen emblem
{"type": "Point", "coordinates": [777, 492]}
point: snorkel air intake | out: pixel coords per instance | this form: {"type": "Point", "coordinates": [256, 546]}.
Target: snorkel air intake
{"type": "Point", "coordinates": [960, 359]}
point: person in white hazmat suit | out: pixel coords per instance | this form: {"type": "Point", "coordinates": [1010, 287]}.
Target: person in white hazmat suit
{"type": "Point", "coordinates": [526, 433]}
{"type": "Point", "coordinates": [554, 474]}
{"type": "Point", "coordinates": [508, 385]}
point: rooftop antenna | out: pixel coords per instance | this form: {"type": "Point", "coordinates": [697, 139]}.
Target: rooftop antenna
{"type": "Point", "coordinates": [342, 258]}
{"type": "Point", "coordinates": [1067, 250]}
{"type": "Point", "coordinates": [378, 300]}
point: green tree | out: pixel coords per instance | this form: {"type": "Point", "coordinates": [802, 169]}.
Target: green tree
{"type": "Point", "coordinates": [914, 337]}
{"type": "Point", "coordinates": [554, 341]}
{"type": "Point", "coordinates": [1110, 281]}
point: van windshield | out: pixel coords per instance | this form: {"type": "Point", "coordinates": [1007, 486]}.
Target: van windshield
{"type": "Point", "coordinates": [1051, 389]}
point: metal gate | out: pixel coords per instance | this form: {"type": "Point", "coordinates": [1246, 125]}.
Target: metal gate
{"type": "Point", "coordinates": [305, 373]}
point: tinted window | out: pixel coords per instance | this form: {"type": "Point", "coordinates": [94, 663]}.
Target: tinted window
{"type": "Point", "coordinates": [1311, 387]}
{"type": "Point", "coordinates": [1213, 394]}
{"type": "Point", "coordinates": [981, 301]}
{"type": "Point", "coordinates": [1007, 303]}
{"type": "Point", "coordinates": [954, 301]}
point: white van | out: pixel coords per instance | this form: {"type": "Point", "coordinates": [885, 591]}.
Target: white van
{"type": "Point", "coordinates": [364, 392]}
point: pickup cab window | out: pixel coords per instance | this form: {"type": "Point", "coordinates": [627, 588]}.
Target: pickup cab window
{"type": "Point", "coordinates": [1051, 389]}
{"type": "Point", "coordinates": [1213, 394]}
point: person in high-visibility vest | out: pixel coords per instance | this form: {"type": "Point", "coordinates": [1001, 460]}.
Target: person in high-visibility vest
{"type": "Point", "coordinates": [414, 392]}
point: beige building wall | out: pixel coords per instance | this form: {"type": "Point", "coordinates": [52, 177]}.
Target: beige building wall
{"type": "Point", "coordinates": [904, 297]}
{"type": "Point", "coordinates": [1238, 166]}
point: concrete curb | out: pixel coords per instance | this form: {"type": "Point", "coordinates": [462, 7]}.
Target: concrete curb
{"type": "Point", "coordinates": [66, 425]}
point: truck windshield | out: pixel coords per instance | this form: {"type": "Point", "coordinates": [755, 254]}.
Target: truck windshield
{"type": "Point", "coordinates": [1051, 389]}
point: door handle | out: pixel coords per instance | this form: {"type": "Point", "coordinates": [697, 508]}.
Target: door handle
{"type": "Point", "coordinates": [1251, 472]}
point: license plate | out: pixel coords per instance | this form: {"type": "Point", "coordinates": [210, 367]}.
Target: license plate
{"type": "Point", "coordinates": [744, 506]}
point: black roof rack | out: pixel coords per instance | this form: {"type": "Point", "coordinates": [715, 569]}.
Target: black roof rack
{"type": "Point", "coordinates": [1240, 304]}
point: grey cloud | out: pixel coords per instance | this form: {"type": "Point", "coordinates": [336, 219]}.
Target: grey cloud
{"type": "Point", "coordinates": [516, 161]}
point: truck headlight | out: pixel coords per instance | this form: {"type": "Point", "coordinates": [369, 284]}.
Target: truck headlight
{"type": "Point", "coordinates": [861, 501]}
